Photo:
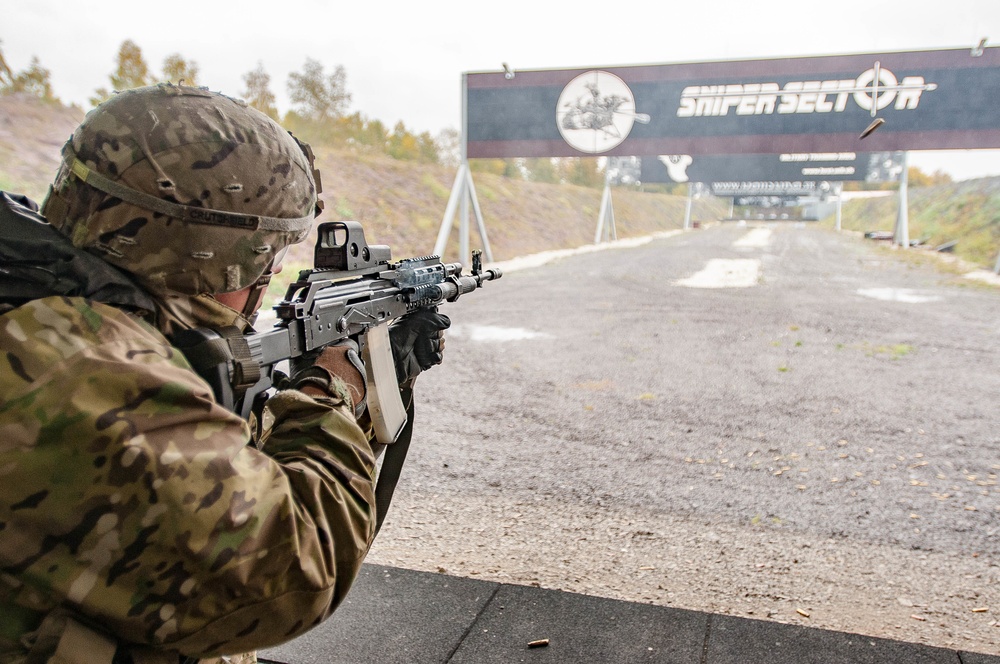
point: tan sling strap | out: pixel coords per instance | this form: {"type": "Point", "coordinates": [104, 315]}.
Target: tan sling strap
{"type": "Point", "coordinates": [62, 639]}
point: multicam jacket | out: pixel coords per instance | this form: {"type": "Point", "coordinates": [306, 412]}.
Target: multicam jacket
{"type": "Point", "coordinates": [131, 499]}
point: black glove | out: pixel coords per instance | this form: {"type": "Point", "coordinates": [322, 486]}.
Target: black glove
{"type": "Point", "coordinates": [417, 342]}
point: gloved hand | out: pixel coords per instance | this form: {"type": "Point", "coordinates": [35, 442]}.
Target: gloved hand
{"type": "Point", "coordinates": [318, 375]}
{"type": "Point", "coordinates": [417, 342]}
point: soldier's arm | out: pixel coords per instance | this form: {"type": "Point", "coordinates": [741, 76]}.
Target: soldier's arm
{"type": "Point", "coordinates": [137, 502]}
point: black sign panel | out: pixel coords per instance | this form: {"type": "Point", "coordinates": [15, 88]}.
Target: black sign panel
{"type": "Point", "coordinates": [929, 100]}
{"type": "Point", "coordinates": [822, 166]}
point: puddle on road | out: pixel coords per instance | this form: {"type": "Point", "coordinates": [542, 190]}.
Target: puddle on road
{"type": "Point", "coordinates": [494, 333]}
{"type": "Point", "coordinates": [906, 295]}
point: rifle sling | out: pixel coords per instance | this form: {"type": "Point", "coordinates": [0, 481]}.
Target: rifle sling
{"type": "Point", "coordinates": [246, 371]}
{"type": "Point", "coordinates": [231, 346]}
{"type": "Point", "coordinates": [392, 464]}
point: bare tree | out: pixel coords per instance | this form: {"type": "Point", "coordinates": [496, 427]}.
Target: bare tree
{"type": "Point", "coordinates": [36, 80]}
{"type": "Point", "coordinates": [319, 97]}
{"type": "Point", "coordinates": [258, 92]}
{"type": "Point", "coordinates": [6, 74]}
{"type": "Point", "coordinates": [178, 70]}
{"type": "Point", "coordinates": [132, 72]}
{"type": "Point", "coordinates": [449, 147]}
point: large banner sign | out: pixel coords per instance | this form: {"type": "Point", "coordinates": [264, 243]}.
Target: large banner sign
{"type": "Point", "coordinates": [815, 166]}
{"type": "Point", "coordinates": [929, 100]}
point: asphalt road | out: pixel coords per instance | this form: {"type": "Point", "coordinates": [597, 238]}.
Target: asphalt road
{"type": "Point", "coordinates": [609, 423]}
{"type": "Point", "coordinates": [798, 398]}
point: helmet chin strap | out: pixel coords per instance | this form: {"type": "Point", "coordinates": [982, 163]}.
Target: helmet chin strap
{"type": "Point", "coordinates": [250, 308]}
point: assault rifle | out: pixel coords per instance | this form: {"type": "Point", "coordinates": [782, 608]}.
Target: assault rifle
{"type": "Point", "coordinates": [353, 291]}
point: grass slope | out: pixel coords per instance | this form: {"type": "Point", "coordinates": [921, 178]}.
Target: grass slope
{"type": "Point", "coordinates": [967, 213]}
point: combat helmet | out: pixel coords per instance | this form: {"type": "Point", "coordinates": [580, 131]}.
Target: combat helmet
{"type": "Point", "coordinates": [190, 191]}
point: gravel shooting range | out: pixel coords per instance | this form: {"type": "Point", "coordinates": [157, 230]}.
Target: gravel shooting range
{"type": "Point", "coordinates": [791, 421]}
{"type": "Point", "coordinates": [735, 397]}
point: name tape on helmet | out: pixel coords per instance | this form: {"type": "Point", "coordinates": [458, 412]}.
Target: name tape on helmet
{"type": "Point", "coordinates": [190, 213]}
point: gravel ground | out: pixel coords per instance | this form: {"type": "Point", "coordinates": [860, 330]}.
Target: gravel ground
{"type": "Point", "coordinates": [816, 443]}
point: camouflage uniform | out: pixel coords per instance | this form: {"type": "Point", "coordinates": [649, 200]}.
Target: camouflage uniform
{"type": "Point", "coordinates": [130, 501]}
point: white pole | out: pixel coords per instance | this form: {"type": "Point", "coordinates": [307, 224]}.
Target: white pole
{"type": "Point", "coordinates": [605, 197]}
{"type": "Point", "coordinates": [840, 191]}
{"type": "Point", "coordinates": [902, 231]}
{"type": "Point", "coordinates": [463, 227]}
{"type": "Point", "coordinates": [462, 192]}
{"type": "Point", "coordinates": [687, 209]}
{"type": "Point", "coordinates": [479, 218]}
{"type": "Point", "coordinates": [611, 217]}
{"type": "Point", "coordinates": [448, 221]}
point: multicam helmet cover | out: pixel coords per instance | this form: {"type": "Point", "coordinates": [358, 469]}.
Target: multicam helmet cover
{"type": "Point", "coordinates": [189, 190]}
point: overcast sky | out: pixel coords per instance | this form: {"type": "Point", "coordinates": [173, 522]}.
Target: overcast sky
{"type": "Point", "coordinates": [404, 59]}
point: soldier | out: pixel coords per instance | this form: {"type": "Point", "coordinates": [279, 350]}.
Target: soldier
{"type": "Point", "coordinates": [136, 523]}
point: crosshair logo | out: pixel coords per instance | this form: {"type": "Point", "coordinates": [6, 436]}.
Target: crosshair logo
{"type": "Point", "coordinates": [878, 87]}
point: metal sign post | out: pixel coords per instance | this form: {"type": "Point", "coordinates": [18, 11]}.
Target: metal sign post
{"type": "Point", "coordinates": [901, 234]}
{"type": "Point", "coordinates": [606, 217]}
{"type": "Point", "coordinates": [463, 192]}
{"type": "Point", "coordinates": [840, 199]}
{"type": "Point", "coordinates": [687, 208]}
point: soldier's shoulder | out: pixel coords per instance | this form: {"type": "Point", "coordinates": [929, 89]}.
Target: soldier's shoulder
{"type": "Point", "coordinates": [73, 321]}
{"type": "Point", "coordinates": [48, 335]}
